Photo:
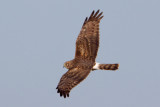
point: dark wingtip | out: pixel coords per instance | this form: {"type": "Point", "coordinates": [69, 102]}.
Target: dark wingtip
{"type": "Point", "coordinates": [94, 16]}
{"type": "Point", "coordinates": [96, 13]}
{"type": "Point", "coordinates": [67, 94]}
{"type": "Point", "coordinates": [62, 93]}
{"type": "Point", "coordinates": [58, 91]}
{"type": "Point", "coordinates": [101, 17]}
{"type": "Point", "coordinates": [85, 20]}
{"type": "Point", "coordinates": [92, 13]}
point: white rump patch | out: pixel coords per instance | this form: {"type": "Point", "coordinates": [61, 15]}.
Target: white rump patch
{"type": "Point", "coordinates": [96, 66]}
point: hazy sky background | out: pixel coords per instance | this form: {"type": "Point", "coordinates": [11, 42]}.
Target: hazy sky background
{"type": "Point", "coordinates": [38, 36]}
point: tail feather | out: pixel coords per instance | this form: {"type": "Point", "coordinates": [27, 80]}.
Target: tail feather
{"type": "Point", "coordinates": [108, 66]}
{"type": "Point", "coordinates": [105, 66]}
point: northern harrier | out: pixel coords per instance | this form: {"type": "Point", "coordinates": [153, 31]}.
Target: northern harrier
{"type": "Point", "coordinates": [84, 62]}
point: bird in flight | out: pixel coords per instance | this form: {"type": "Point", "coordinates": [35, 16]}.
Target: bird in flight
{"type": "Point", "coordinates": [87, 45]}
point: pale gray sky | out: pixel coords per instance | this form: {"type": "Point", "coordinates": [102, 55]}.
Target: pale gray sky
{"type": "Point", "coordinates": [38, 36]}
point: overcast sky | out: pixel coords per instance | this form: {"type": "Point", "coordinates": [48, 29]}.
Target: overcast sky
{"type": "Point", "coordinates": [38, 36]}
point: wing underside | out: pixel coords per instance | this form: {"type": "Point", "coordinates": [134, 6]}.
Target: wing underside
{"type": "Point", "coordinates": [88, 40]}
{"type": "Point", "coordinates": [70, 79]}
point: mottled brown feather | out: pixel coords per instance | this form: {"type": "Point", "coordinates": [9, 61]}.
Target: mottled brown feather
{"type": "Point", "coordinates": [108, 66]}
{"type": "Point", "coordinates": [70, 79]}
{"type": "Point", "coordinates": [88, 40]}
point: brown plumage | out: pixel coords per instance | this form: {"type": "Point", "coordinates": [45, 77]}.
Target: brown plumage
{"type": "Point", "coordinates": [88, 40]}
{"type": "Point", "coordinates": [107, 67]}
{"type": "Point", "coordinates": [87, 45]}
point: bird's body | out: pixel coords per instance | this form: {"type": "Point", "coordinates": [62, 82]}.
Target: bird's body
{"type": "Point", "coordinates": [87, 45]}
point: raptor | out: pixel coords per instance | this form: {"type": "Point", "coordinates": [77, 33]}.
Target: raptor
{"type": "Point", "coordinates": [84, 62]}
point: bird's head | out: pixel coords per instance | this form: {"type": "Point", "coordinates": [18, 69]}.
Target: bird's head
{"type": "Point", "coordinates": [68, 64]}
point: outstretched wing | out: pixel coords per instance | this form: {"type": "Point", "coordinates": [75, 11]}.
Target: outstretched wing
{"type": "Point", "coordinates": [70, 79]}
{"type": "Point", "coordinates": [88, 40]}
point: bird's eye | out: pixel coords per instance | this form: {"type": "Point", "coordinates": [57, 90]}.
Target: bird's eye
{"type": "Point", "coordinates": [67, 64]}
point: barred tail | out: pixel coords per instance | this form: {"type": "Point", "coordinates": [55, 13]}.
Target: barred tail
{"type": "Point", "coordinates": [108, 66]}
{"type": "Point", "coordinates": [105, 66]}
